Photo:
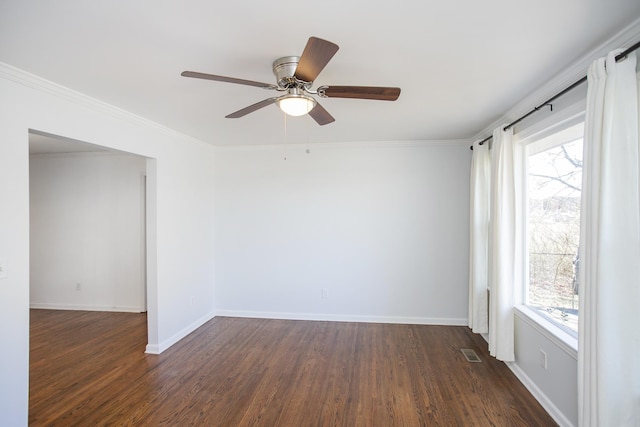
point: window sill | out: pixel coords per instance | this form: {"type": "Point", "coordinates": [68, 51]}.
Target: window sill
{"type": "Point", "coordinates": [564, 341]}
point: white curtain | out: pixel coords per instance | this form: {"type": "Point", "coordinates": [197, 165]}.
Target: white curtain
{"type": "Point", "coordinates": [479, 238]}
{"type": "Point", "coordinates": [504, 245]}
{"type": "Point", "coordinates": [609, 328]}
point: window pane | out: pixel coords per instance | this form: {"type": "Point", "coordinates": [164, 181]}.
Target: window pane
{"type": "Point", "coordinates": [554, 189]}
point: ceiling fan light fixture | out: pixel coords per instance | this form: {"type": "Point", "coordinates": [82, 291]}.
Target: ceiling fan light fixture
{"type": "Point", "coordinates": [295, 75]}
{"type": "Point", "coordinates": [296, 105]}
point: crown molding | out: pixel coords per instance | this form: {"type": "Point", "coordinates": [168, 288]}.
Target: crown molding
{"type": "Point", "coordinates": [16, 75]}
{"type": "Point", "coordinates": [623, 39]}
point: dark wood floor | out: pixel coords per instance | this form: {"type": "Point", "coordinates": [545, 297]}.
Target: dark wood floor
{"type": "Point", "coordinates": [89, 369]}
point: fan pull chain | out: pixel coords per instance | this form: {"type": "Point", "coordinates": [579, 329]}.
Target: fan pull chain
{"type": "Point", "coordinates": [285, 136]}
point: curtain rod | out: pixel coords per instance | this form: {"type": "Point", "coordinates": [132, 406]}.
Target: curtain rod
{"type": "Point", "coordinates": [548, 102]}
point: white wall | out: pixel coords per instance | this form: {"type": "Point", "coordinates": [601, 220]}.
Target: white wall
{"type": "Point", "coordinates": [556, 385]}
{"type": "Point", "coordinates": [87, 231]}
{"type": "Point", "coordinates": [382, 227]}
{"type": "Point", "coordinates": [180, 182]}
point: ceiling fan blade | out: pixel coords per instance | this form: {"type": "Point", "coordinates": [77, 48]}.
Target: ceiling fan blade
{"type": "Point", "coordinates": [197, 75]}
{"type": "Point", "coordinates": [320, 115]}
{"type": "Point", "coordinates": [360, 92]}
{"type": "Point", "coordinates": [316, 55]}
{"type": "Point", "coordinates": [251, 108]}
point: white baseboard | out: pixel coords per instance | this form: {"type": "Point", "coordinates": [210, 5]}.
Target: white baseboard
{"type": "Point", "coordinates": [159, 348]}
{"type": "Point", "coordinates": [542, 398]}
{"type": "Point", "coordinates": [344, 318]}
{"type": "Point", "coordinates": [81, 307]}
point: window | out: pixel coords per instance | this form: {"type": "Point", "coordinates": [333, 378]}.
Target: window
{"type": "Point", "coordinates": [554, 182]}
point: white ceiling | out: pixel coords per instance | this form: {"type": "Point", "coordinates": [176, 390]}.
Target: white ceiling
{"type": "Point", "coordinates": [461, 64]}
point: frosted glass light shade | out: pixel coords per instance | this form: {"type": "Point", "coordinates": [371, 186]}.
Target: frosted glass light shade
{"type": "Point", "coordinates": [296, 105]}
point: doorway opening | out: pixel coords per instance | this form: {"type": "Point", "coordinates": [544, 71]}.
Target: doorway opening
{"type": "Point", "coordinates": [89, 226]}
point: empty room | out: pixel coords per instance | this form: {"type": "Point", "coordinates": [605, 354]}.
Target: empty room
{"type": "Point", "coordinates": [336, 214]}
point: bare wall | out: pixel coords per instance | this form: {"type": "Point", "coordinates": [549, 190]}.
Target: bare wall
{"type": "Point", "coordinates": [87, 231]}
{"type": "Point", "coordinates": [368, 232]}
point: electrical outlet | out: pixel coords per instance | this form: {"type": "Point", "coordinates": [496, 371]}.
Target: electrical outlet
{"type": "Point", "coordinates": [325, 293]}
{"type": "Point", "coordinates": [78, 286]}
{"type": "Point", "coordinates": [193, 300]}
{"type": "Point", "coordinates": [543, 359]}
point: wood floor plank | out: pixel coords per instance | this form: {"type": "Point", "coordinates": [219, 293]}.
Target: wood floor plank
{"type": "Point", "coordinates": [89, 368]}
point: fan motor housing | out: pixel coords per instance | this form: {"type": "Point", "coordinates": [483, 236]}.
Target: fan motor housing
{"type": "Point", "coordinates": [284, 68]}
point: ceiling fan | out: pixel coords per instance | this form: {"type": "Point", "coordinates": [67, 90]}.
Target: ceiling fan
{"type": "Point", "coordinates": [295, 76]}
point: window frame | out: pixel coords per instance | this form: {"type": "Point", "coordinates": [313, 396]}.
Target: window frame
{"type": "Point", "coordinates": [533, 142]}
